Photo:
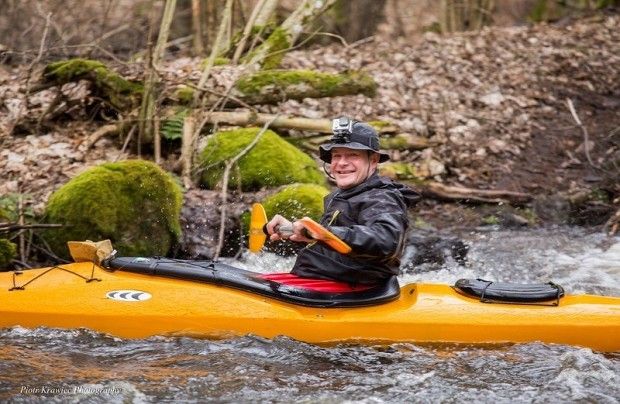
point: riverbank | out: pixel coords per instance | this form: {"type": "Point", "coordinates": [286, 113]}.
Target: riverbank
{"type": "Point", "coordinates": [494, 105]}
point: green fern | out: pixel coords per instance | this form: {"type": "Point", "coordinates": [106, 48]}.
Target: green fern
{"type": "Point", "coordinates": [172, 127]}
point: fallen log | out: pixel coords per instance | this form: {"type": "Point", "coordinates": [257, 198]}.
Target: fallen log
{"type": "Point", "coordinates": [249, 118]}
{"type": "Point", "coordinates": [119, 93]}
{"type": "Point", "coordinates": [436, 190]}
{"type": "Point", "coordinates": [275, 86]}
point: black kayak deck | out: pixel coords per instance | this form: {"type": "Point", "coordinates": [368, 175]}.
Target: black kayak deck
{"type": "Point", "coordinates": [229, 276]}
{"type": "Point", "coordinates": [226, 275]}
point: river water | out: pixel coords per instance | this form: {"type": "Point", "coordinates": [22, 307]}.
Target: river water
{"type": "Point", "coordinates": [49, 365]}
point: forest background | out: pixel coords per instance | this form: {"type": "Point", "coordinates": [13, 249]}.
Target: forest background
{"type": "Point", "coordinates": [500, 112]}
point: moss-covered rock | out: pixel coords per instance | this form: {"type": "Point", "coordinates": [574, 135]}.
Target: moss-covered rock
{"type": "Point", "coordinates": [271, 162]}
{"type": "Point", "coordinates": [271, 86]}
{"type": "Point", "coordinates": [118, 92]}
{"type": "Point", "coordinates": [294, 202]}
{"type": "Point", "coordinates": [8, 251]}
{"type": "Point", "coordinates": [134, 203]}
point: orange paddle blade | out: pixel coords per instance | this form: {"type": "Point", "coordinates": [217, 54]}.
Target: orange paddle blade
{"type": "Point", "coordinates": [258, 219]}
{"type": "Point", "coordinates": [321, 233]}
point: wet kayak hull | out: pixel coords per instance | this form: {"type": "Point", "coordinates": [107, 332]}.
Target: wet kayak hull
{"type": "Point", "coordinates": [136, 305]}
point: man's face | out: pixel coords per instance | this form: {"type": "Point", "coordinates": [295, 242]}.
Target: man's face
{"type": "Point", "coordinates": [351, 167]}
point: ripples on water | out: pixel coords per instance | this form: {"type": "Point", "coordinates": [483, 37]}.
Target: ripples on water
{"type": "Point", "coordinates": [46, 365]}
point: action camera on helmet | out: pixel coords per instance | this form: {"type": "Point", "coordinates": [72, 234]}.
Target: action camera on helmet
{"type": "Point", "coordinates": [342, 128]}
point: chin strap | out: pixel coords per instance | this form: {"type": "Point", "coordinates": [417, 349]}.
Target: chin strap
{"type": "Point", "coordinates": [328, 172]}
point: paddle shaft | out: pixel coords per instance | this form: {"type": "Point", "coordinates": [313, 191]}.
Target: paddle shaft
{"type": "Point", "coordinates": [286, 231]}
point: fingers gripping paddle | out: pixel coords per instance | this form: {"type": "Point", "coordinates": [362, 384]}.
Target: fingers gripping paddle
{"type": "Point", "coordinates": [258, 231]}
{"type": "Point", "coordinates": [322, 234]}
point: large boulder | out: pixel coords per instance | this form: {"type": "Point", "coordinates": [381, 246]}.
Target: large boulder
{"type": "Point", "coordinates": [270, 163]}
{"type": "Point", "coordinates": [134, 203]}
{"type": "Point", "coordinates": [296, 201]}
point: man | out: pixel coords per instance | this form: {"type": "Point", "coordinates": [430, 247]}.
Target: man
{"type": "Point", "coordinates": [368, 212]}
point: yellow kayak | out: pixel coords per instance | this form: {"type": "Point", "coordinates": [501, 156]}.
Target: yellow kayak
{"type": "Point", "coordinates": [138, 297]}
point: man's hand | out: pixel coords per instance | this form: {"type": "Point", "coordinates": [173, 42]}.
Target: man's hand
{"type": "Point", "coordinates": [300, 233]}
{"type": "Point", "coordinates": [279, 228]}
{"type": "Point", "coordinates": [277, 223]}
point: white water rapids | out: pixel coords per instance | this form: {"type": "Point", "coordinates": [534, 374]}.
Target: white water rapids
{"type": "Point", "coordinates": [48, 365]}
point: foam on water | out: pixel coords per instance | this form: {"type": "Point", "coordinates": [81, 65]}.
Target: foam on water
{"type": "Point", "coordinates": [582, 263]}
{"type": "Point", "coordinates": [283, 370]}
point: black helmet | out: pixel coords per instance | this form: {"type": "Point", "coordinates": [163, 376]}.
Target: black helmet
{"type": "Point", "coordinates": [352, 135]}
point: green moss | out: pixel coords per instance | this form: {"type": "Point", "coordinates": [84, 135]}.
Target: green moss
{"type": "Point", "coordinates": [294, 202]}
{"type": "Point", "coordinates": [597, 194]}
{"type": "Point", "coordinates": [272, 85]}
{"type": "Point", "coordinates": [398, 170]}
{"type": "Point", "coordinates": [273, 47]}
{"type": "Point", "coordinates": [120, 93]}
{"type": "Point", "coordinates": [271, 162]}
{"type": "Point", "coordinates": [379, 125]}
{"type": "Point", "coordinates": [184, 95]}
{"type": "Point", "coordinates": [218, 61]}
{"type": "Point", "coordinates": [420, 223]}
{"type": "Point", "coordinates": [276, 43]}
{"type": "Point", "coordinates": [490, 220]}
{"type": "Point", "coordinates": [398, 142]}
{"type": "Point", "coordinates": [529, 214]}
{"type": "Point", "coordinates": [8, 251]}
{"type": "Point", "coordinates": [134, 203]}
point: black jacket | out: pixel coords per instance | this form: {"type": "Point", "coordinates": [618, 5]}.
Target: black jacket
{"type": "Point", "coordinates": [371, 218]}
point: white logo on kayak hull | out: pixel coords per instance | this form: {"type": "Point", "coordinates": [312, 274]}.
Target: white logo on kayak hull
{"type": "Point", "coordinates": [128, 295]}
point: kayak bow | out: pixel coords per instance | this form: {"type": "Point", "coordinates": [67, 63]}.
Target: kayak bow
{"type": "Point", "coordinates": [140, 297]}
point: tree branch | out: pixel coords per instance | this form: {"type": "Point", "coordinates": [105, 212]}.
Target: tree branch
{"type": "Point", "coordinates": [224, 195]}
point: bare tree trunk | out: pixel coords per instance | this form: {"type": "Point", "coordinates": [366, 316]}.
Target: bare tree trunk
{"type": "Point", "coordinates": [197, 33]}
{"type": "Point", "coordinates": [147, 110]}
{"type": "Point", "coordinates": [270, 53]}
{"type": "Point", "coordinates": [360, 17]}
{"type": "Point", "coordinates": [266, 12]}
{"type": "Point", "coordinates": [247, 31]}
{"type": "Point", "coordinates": [462, 15]}
{"type": "Point", "coordinates": [214, 51]}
